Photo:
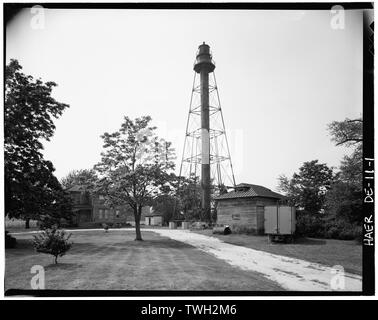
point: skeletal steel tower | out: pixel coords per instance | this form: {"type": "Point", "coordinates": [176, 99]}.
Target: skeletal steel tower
{"type": "Point", "coordinates": [206, 142]}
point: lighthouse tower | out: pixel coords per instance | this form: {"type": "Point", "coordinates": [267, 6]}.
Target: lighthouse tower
{"type": "Point", "coordinates": [206, 151]}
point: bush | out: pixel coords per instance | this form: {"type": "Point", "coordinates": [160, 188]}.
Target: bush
{"type": "Point", "coordinates": [310, 224]}
{"type": "Point", "coordinates": [342, 230]}
{"type": "Point", "coordinates": [10, 242]}
{"type": "Point", "coordinates": [320, 226]}
{"type": "Point", "coordinates": [52, 241]}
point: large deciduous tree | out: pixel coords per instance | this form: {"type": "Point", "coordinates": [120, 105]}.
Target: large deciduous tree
{"type": "Point", "coordinates": [136, 167]}
{"type": "Point", "coordinates": [344, 199]}
{"type": "Point", "coordinates": [307, 188]}
{"type": "Point", "coordinates": [349, 133]}
{"type": "Point", "coordinates": [31, 189]}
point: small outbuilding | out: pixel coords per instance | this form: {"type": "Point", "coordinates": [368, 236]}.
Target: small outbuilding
{"type": "Point", "coordinates": [244, 207]}
{"type": "Point", "coordinates": [153, 220]}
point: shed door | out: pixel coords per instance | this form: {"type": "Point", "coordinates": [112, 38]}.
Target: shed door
{"type": "Point", "coordinates": [260, 219]}
{"type": "Point", "coordinates": [270, 219]}
{"type": "Point", "coordinates": [286, 220]}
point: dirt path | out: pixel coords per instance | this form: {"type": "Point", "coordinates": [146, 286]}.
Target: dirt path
{"type": "Point", "coordinates": [291, 274]}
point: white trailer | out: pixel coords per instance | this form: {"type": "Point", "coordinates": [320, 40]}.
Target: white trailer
{"type": "Point", "coordinates": [279, 222]}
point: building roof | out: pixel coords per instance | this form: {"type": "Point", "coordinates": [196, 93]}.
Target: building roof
{"type": "Point", "coordinates": [246, 190]}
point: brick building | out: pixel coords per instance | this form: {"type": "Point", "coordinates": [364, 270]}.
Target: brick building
{"type": "Point", "coordinates": [90, 210]}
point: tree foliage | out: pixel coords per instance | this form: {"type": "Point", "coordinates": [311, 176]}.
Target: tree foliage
{"type": "Point", "coordinates": [307, 188]}
{"type": "Point", "coordinates": [344, 201]}
{"type": "Point", "coordinates": [136, 166]}
{"type": "Point", "coordinates": [188, 195]}
{"type": "Point", "coordinates": [31, 189]}
{"type": "Point", "coordinates": [341, 200]}
{"type": "Point", "coordinates": [166, 205]}
{"type": "Point", "coordinates": [189, 198]}
{"type": "Point", "coordinates": [347, 132]}
{"type": "Point", "coordinates": [86, 178]}
{"type": "Point", "coordinates": [52, 241]}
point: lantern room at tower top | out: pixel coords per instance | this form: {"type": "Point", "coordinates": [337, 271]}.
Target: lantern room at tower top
{"type": "Point", "coordinates": [204, 59]}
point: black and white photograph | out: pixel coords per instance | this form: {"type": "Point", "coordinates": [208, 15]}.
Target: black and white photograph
{"type": "Point", "coordinates": [177, 149]}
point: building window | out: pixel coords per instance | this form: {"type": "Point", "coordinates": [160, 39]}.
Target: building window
{"type": "Point", "coordinates": [117, 213]}
{"type": "Point", "coordinates": [101, 197]}
{"type": "Point", "coordinates": [101, 213]}
{"type": "Point", "coordinates": [106, 214]}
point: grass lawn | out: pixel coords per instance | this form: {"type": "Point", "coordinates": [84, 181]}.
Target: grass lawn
{"type": "Point", "coordinates": [113, 260]}
{"type": "Point", "coordinates": [325, 251]}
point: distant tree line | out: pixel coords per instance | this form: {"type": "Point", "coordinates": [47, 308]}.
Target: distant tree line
{"type": "Point", "coordinates": [329, 201]}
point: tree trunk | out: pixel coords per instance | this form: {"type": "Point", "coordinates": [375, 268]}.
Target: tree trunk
{"type": "Point", "coordinates": [137, 214]}
{"type": "Point", "coordinates": [56, 259]}
{"type": "Point", "coordinates": [27, 223]}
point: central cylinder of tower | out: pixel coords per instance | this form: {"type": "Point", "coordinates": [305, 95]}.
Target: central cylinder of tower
{"type": "Point", "coordinates": [204, 65]}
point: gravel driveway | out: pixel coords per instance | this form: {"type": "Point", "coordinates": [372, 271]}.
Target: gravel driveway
{"type": "Point", "coordinates": [292, 274]}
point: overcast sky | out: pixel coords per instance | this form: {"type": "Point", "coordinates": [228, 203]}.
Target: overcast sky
{"type": "Point", "coordinates": [282, 77]}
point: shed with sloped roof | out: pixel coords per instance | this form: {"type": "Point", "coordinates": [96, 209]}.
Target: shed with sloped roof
{"type": "Point", "coordinates": [243, 208]}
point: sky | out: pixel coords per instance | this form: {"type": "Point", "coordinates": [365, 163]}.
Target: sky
{"type": "Point", "coordinates": [282, 76]}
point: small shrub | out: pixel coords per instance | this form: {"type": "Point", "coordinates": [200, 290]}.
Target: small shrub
{"type": "Point", "coordinates": [332, 232]}
{"type": "Point", "coordinates": [310, 224]}
{"type": "Point", "coordinates": [106, 227]}
{"type": "Point", "coordinates": [319, 226]}
{"type": "Point", "coordinates": [342, 230]}
{"type": "Point", "coordinates": [52, 241]}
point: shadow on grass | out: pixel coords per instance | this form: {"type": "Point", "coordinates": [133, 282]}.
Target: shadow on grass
{"type": "Point", "coordinates": [22, 244]}
{"type": "Point", "coordinates": [89, 247]}
{"type": "Point", "coordinates": [310, 242]}
{"type": "Point", "coordinates": [301, 241]}
{"type": "Point", "coordinates": [63, 266]}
